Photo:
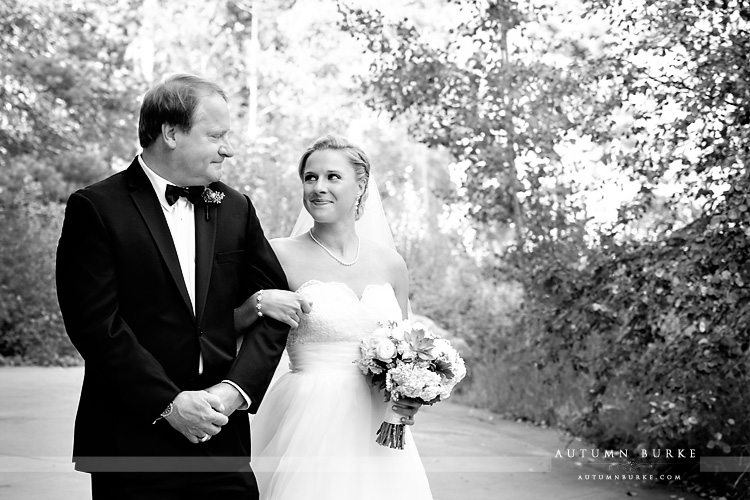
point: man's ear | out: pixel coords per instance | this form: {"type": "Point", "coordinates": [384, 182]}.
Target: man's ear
{"type": "Point", "coordinates": [168, 135]}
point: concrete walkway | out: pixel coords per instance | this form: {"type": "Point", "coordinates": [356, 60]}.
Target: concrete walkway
{"type": "Point", "coordinates": [468, 453]}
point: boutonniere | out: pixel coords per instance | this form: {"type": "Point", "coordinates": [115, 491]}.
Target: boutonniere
{"type": "Point", "coordinates": [211, 197]}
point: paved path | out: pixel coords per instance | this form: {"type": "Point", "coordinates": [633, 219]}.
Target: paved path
{"type": "Point", "coordinates": [468, 453]}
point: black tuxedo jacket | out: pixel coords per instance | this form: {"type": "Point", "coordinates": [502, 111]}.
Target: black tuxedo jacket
{"type": "Point", "coordinates": [127, 311]}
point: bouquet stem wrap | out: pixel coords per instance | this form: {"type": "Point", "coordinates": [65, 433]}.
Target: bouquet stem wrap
{"type": "Point", "coordinates": [391, 431]}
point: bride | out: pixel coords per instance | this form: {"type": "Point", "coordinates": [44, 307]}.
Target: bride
{"type": "Point", "coordinates": [314, 434]}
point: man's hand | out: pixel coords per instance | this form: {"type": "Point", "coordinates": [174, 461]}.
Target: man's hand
{"type": "Point", "coordinates": [281, 305]}
{"type": "Point", "coordinates": [196, 415]}
{"type": "Point", "coordinates": [229, 397]}
{"type": "Point", "coordinates": [407, 408]}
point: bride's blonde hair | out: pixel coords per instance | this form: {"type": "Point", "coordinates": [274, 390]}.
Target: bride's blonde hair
{"type": "Point", "coordinates": [353, 153]}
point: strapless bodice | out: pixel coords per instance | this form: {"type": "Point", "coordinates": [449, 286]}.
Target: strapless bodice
{"type": "Point", "coordinates": [338, 315]}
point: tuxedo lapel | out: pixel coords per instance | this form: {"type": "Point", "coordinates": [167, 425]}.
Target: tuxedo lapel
{"type": "Point", "coordinates": [145, 199]}
{"type": "Point", "coordinates": [205, 237]}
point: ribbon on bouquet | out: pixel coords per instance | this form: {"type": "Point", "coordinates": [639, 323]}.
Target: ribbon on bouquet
{"type": "Point", "coordinates": [391, 431]}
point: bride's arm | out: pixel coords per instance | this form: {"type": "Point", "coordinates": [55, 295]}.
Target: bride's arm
{"type": "Point", "coordinates": [406, 407]}
{"type": "Point", "coordinates": [400, 280]}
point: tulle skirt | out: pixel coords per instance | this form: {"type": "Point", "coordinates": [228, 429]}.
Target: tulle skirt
{"type": "Point", "coordinates": [314, 434]}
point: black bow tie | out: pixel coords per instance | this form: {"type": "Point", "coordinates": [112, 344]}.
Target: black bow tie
{"type": "Point", "coordinates": [193, 194]}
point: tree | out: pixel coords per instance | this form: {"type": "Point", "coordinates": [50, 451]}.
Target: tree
{"type": "Point", "coordinates": [500, 109]}
{"type": "Point", "coordinates": [66, 103]}
{"type": "Point", "coordinates": [681, 68]}
{"type": "Point", "coordinates": [65, 93]}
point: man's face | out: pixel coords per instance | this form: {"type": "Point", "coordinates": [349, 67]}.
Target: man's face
{"type": "Point", "coordinates": [202, 150]}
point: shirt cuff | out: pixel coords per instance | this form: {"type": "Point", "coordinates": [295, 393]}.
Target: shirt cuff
{"type": "Point", "coordinates": [244, 395]}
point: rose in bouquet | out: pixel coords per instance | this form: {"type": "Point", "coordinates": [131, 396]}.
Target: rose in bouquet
{"type": "Point", "coordinates": [407, 360]}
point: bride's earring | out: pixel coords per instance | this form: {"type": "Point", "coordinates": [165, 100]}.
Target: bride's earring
{"type": "Point", "coordinates": [356, 205]}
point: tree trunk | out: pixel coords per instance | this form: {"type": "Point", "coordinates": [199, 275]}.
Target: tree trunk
{"type": "Point", "coordinates": [144, 59]}
{"type": "Point", "coordinates": [515, 183]}
{"type": "Point", "coordinates": [252, 47]}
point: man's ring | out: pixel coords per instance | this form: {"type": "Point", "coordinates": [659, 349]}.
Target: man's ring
{"type": "Point", "coordinates": [203, 439]}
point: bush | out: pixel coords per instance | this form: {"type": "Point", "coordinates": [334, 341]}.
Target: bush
{"type": "Point", "coordinates": [31, 327]}
{"type": "Point", "coordinates": [647, 343]}
{"type": "Point", "coordinates": [464, 298]}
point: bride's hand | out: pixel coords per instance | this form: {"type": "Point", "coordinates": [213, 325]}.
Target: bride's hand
{"type": "Point", "coordinates": [407, 408]}
{"type": "Point", "coordinates": [287, 307]}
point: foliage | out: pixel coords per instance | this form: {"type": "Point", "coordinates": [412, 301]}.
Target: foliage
{"type": "Point", "coordinates": [499, 110]}
{"type": "Point", "coordinates": [467, 300]}
{"type": "Point", "coordinates": [659, 332]}
{"type": "Point", "coordinates": [55, 177]}
{"type": "Point", "coordinates": [31, 327]}
{"type": "Point", "coordinates": [65, 86]}
{"type": "Point", "coordinates": [66, 99]}
{"type": "Point", "coordinates": [681, 69]}
{"type": "Point", "coordinates": [635, 335]}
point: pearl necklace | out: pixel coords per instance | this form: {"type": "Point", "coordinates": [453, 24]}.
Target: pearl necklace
{"type": "Point", "coordinates": [321, 245]}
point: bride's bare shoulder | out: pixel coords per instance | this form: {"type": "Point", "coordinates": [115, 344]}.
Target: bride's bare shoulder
{"type": "Point", "coordinates": [385, 254]}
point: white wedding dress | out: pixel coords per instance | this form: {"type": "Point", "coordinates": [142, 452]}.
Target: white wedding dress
{"type": "Point", "coordinates": [314, 434]}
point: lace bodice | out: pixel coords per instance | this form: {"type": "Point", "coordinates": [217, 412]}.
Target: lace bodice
{"type": "Point", "coordinates": [338, 315]}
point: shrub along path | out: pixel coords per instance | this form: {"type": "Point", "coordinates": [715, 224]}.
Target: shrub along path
{"type": "Point", "coordinates": [468, 453]}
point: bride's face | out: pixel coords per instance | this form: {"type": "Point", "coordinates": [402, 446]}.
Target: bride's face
{"type": "Point", "coordinates": [330, 187]}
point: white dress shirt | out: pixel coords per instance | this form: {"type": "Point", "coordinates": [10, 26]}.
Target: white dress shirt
{"type": "Point", "coordinates": [181, 222]}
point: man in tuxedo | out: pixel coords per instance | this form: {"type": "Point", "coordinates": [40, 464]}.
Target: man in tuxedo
{"type": "Point", "coordinates": [159, 267]}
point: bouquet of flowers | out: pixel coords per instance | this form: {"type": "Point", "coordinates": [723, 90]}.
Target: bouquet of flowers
{"type": "Point", "coordinates": [407, 360]}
